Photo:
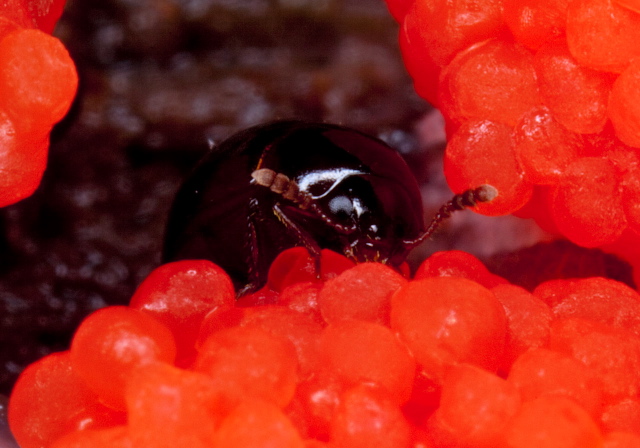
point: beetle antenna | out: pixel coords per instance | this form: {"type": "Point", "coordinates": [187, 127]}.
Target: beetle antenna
{"type": "Point", "coordinates": [289, 189]}
{"type": "Point", "coordinates": [468, 198]}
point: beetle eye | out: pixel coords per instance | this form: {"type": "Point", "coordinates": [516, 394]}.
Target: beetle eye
{"type": "Point", "coordinates": [350, 203]}
{"type": "Point", "coordinates": [342, 208]}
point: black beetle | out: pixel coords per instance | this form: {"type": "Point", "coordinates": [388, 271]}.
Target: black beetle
{"type": "Point", "coordinates": [292, 183]}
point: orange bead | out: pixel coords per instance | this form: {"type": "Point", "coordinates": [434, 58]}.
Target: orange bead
{"type": "Point", "coordinates": [15, 11]}
{"type": "Point", "coordinates": [312, 443]}
{"type": "Point", "coordinates": [577, 96]}
{"type": "Point", "coordinates": [27, 15]}
{"type": "Point", "coordinates": [365, 352]}
{"type": "Point", "coordinates": [22, 161]}
{"type": "Point", "coordinates": [263, 296]}
{"type": "Point", "coordinates": [494, 80]}
{"type": "Point", "coordinates": [631, 198]}
{"type": "Point", "coordinates": [48, 15]}
{"type": "Point", "coordinates": [362, 292]}
{"type": "Point", "coordinates": [38, 79]}
{"type": "Point", "coordinates": [296, 260]}
{"type": "Point", "coordinates": [633, 5]}
{"type": "Point", "coordinates": [449, 320]}
{"type": "Point", "coordinates": [613, 356]}
{"type": "Point", "coordinates": [552, 422]}
{"type": "Point", "coordinates": [169, 407]}
{"type": "Point", "coordinates": [586, 206]}
{"type": "Point", "coordinates": [474, 408]}
{"type": "Point", "coordinates": [601, 300]}
{"type": "Point", "coordinates": [624, 108]}
{"type": "Point", "coordinates": [422, 69]}
{"type": "Point", "coordinates": [423, 439]}
{"type": "Point", "coordinates": [220, 318]}
{"type": "Point", "coordinates": [317, 397]}
{"type": "Point", "coordinates": [368, 417]}
{"type": "Point", "coordinates": [303, 331]}
{"type": "Point", "coordinates": [298, 418]}
{"type": "Point", "coordinates": [528, 322]}
{"type": "Point", "coordinates": [554, 291]}
{"type": "Point", "coordinates": [7, 25]}
{"type": "Point", "coordinates": [622, 416]}
{"type": "Point", "coordinates": [303, 297]}
{"type": "Point", "coordinates": [180, 294]}
{"type": "Point", "coordinates": [603, 35]}
{"type": "Point", "coordinates": [248, 362]}
{"type": "Point", "coordinates": [442, 28]}
{"type": "Point", "coordinates": [543, 147]}
{"type": "Point", "coordinates": [50, 400]}
{"type": "Point", "coordinates": [116, 437]}
{"type": "Point", "coordinates": [601, 143]}
{"type": "Point", "coordinates": [111, 343]}
{"type": "Point", "coordinates": [541, 372]}
{"type": "Point", "coordinates": [534, 22]}
{"type": "Point", "coordinates": [482, 152]}
{"type": "Point", "coordinates": [296, 265]}
{"type": "Point", "coordinates": [456, 263]}
{"type": "Point", "coordinates": [257, 424]}
{"type": "Point", "coordinates": [537, 208]}
{"type": "Point", "coordinates": [621, 440]}
{"type": "Point", "coordinates": [424, 400]}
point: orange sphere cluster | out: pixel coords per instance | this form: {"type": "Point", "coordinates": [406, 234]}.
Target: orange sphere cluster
{"type": "Point", "coordinates": [541, 100]}
{"type": "Point", "coordinates": [38, 82]}
{"type": "Point", "coordinates": [362, 356]}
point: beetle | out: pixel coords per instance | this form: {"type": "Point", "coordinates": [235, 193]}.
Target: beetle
{"type": "Point", "coordinates": [294, 183]}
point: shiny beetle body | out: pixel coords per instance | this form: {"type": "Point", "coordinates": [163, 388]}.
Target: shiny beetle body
{"type": "Point", "coordinates": [291, 183]}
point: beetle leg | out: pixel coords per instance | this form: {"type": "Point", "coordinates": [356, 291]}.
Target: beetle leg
{"type": "Point", "coordinates": [252, 243]}
{"type": "Point", "coordinates": [304, 237]}
{"type": "Point", "coordinates": [469, 198]}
